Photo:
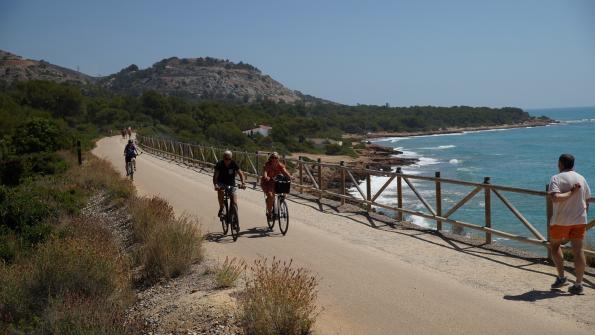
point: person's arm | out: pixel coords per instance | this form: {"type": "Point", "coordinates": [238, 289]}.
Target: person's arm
{"type": "Point", "coordinates": [240, 173]}
{"type": "Point", "coordinates": [215, 177]}
{"type": "Point", "coordinates": [265, 175]}
{"type": "Point", "coordinates": [561, 197]}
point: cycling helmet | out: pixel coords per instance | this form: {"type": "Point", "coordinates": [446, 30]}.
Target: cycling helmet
{"type": "Point", "coordinates": [129, 141]}
{"type": "Point", "coordinates": [274, 154]}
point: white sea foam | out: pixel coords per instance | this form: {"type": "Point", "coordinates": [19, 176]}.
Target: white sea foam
{"type": "Point", "coordinates": [425, 161]}
{"type": "Point", "coordinates": [440, 147]}
{"type": "Point", "coordinates": [454, 161]}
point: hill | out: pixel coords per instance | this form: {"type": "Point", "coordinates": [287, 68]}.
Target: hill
{"type": "Point", "coordinates": [14, 68]}
{"type": "Point", "coordinates": [195, 78]}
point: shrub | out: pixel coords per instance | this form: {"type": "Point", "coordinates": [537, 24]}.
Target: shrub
{"type": "Point", "coordinates": [279, 299]}
{"type": "Point", "coordinates": [72, 314]}
{"type": "Point", "coordinates": [169, 245]}
{"type": "Point", "coordinates": [227, 273]}
{"type": "Point", "coordinates": [85, 263]}
{"type": "Point", "coordinates": [39, 135]}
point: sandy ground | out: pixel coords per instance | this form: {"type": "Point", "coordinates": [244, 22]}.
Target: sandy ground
{"type": "Point", "coordinates": [376, 279]}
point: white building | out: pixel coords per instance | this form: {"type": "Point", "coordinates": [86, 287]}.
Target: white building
{"type": "Point", "coordinates": [262, 130]}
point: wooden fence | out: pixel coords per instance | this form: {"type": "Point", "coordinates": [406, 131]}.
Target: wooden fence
{"type": "Point", "coordinates": [331, 180]}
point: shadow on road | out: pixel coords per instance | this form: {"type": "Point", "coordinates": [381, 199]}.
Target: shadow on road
{"type": "Point", "coordinates": [255, 232]}
{"type": "Point", "coordinates": [535, 295]}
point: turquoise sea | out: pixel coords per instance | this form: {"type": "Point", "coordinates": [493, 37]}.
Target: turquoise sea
{"type": "Point", "coordinates": [522, 157]}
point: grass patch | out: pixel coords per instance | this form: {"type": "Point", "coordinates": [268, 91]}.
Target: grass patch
{"type": "Point", "coordinates": [228, 272]}
{"type": "Point", "coordinates": [169, 244]}
{"type": "Point", "coordinates": [279, 299]}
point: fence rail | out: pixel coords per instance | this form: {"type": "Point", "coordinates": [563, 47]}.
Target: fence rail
{"type": "Point", "coordinates": [331, 180]}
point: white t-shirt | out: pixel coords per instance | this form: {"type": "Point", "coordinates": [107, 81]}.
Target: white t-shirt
{"type": "Point", "coordinates": [572, 211]}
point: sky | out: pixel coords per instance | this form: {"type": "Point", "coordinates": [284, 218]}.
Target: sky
{"type": "Point", "coordinates": [528, 54]}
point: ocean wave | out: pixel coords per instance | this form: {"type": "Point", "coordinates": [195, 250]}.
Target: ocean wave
{"type": "Point", "coordinates": [425, 161]}
{"type": "Point", "coordinates": [440, 147]}
{"type": "Point", "coordinates": [454, 161]}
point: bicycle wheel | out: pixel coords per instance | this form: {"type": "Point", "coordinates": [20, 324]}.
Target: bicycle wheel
{"type": "Point", "coordinates": [129, 170]}
{"type": "Point", "coordinates": [235, 222]}
{"type": "Point", "coordinates": [283, 216]}
{"type": "Point", "coordinates": [270, 219]}
{"type": "Point", "coordinates": [224, 220]}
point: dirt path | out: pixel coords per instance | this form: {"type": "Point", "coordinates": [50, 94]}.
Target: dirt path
{"type": "Point", "coordinates": [375, 279]}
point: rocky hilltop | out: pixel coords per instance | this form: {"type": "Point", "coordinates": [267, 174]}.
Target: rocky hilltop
{"type": "Point", "coordinates": [205, 78]}
{"type": "Point", "coordinates": [14, 68]}
{"type": "Point", "coordinates": [198, 78]}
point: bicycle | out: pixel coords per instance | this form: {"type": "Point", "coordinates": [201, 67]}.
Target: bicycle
{"type": "Point", "coordinates": [131, 167]}
{"type": "Point", "coordinates": [280, 213]}
{"type": "Point", "coordinates": [229, 218]}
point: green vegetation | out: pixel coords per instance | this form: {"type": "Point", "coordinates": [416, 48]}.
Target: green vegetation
{"type": "Point", "coordinates": [88, 109]}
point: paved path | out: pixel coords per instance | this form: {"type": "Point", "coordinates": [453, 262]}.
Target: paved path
{"type": "Point", "coordinates": [375, 279]}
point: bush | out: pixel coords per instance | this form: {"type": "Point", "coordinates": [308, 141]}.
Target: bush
{"type": "Point", "coordinates": [227, 273]}
{"type": "Point", "coordinates": [84, 264]}
{"type": "Point", "coordinates": [169, 245]}
{"type": "Point", "coordinates": [279, 300]}
{"type": "Point", "coordinates": [39, 135]}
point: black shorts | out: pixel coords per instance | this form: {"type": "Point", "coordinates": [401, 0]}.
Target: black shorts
{"type": "Point", "coordinates": [129, 158]}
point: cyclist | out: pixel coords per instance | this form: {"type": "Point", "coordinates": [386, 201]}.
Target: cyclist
{"type": "Point", "coordinates": [130, 152]}
{"type": "Point", "coordinates": [272, 168]}
{"type": "Point", "coordinates": [225, 175]}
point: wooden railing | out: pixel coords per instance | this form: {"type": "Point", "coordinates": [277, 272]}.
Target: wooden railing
{"type": "Point", "coordinates": [331, 180]}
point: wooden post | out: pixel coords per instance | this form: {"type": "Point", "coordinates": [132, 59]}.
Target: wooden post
{"type": "Point", "coordinates": [399, 193]}
{"type": "Point", "coordinates": [181, 151]}
{"type": "Point", "coordinates": [257, 167]}
{"type": "Point", "coordinates": [343, 191]}
{"type": "Point", "coordinates": [301, 167]}
{"type": "Point", "coordinates": [438, 200]}
{"type": "Point", "coordinates": [319, 179]}
{"type": "Point", "coordinates": [488, 209]}
{"type": "Point", "coordinates": [78, 152]}
{"type": "Point", "coordinates": [368, 190]}
{"type": "Point", "coordinates": [549, 212]}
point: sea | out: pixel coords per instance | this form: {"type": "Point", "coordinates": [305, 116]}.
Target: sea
{"type": "Point", "coordinates": [519, 157]}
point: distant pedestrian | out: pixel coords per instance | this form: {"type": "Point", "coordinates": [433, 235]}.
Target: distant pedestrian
{"type": "Point", "coordinates": [569, 192]}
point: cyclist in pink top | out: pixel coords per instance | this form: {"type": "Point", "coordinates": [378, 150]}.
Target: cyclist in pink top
{"type": "Point", "coordinates": [272, 168]}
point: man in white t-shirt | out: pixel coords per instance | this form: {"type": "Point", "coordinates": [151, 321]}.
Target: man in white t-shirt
{"type": "Point", "coordinates": [569, 192]}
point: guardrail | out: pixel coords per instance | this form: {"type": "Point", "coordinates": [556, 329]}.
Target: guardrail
{"type": "Point", "coordinates": [331, 180]}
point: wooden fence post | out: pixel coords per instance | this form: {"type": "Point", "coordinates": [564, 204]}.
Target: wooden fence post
{"type": "Point", "coordinates": [438, 200]}
{"type": "Point", "coordinates": [343, 191]}
{"type": "Point", "coordinates": [301, 168]}
{"type": "Point", "coordinates": [319, 179]}
{"type": "Point", "coordinates": [78, 152]}
{"type": "Point", "coordinates": [488, 209]}
{"type": "Point", "coordinates": [368, 190]}
{"type": "Point", "coordinates": [399, 193]}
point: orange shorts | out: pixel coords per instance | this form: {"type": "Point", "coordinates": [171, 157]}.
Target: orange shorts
{"type": "Point", "coordinates": [568, 232]}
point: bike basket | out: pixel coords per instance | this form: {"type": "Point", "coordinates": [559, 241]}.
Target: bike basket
{"type": "Point", "coordinates": [282, 186]}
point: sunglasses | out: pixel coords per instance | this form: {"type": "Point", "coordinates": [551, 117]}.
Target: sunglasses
{"type": "Point", "coordinates": [226, 158]}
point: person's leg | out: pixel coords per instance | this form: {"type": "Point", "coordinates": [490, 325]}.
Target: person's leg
{"type": "Point", "coordinates": [270, 200]}
{"type": "Point", "coordinates": [220, 198]}
{"type": "Point", "coordinates": [557, 256]}
{"type": "Point", "coordinates": [579, 259]}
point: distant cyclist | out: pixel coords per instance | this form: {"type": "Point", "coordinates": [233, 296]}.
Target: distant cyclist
{"type": "Point", "coordinates": [130, 152]}
{"type": "Point", "coordinates": [272, 168]}
{"type": "Point", "coordinates": [225, 174]}
{"type": "Point", "coordinates": [129, 132]}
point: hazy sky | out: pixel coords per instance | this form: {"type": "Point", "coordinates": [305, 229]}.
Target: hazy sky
{"type": "Point", "coordinates": [491, 53]}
